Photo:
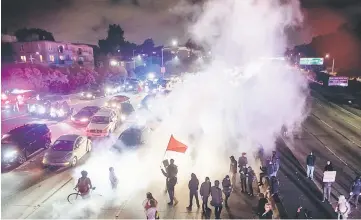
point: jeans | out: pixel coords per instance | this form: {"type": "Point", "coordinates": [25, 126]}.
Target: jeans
{"type": "Point", "coordinates": [205, 203]}
{"type": "Point", "coordinates": [340, 216]}
{"type": "Point", "coordinates": [226, 195]}
{"type": "Point", "coordinates": [244, 184]}
{"type": "Point", "coordinates": [327, 193]}
{"type": "Point", "coordinates": [217, 211]}
{"type": "Point", "coordinates": [250, 187]}
{"type": "Point", "coordinates": [357, 197]}
{"type": "Point", "coordinates": [310, 170]}
{"type": "Point", "coordinates": [171, 195]}
{"type": "Point", "coordinates": [191, 195]}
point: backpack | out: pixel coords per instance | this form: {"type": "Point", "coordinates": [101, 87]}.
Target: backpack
{"type": "Point", "coordinates": [83, 186]}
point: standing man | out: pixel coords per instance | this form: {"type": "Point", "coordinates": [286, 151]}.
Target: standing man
{"type": "Point", "coordinates": [227, 188]}
{"type": "Point", "coordinates": [193, 190]}
{"type": "Point", "coordinates": [205, 192]}
{"type": "Point", "coordinates": [243, 171]}
{"type": "Point", "coordinates": [233, 169]}
{"type": "Point", "coordinates": [250, 179]}
{"type": "Point", "coordinates": [310, 161]}
{"type": "Point", "coordinates": [171, 175]}
{"type": "Point", "coordinates": [276, 162]}
{"type": "Point", "coordinates": [327, 192]}
{"type": "Point", "coordinates": [113, 178]}
{"type": "Point", "coordinates": [217, 199]}
{"type": "Point", "coordinates": [242, 161]}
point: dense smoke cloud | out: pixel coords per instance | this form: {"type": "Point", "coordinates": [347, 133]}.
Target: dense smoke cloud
{"type": "Point", "coordinates": [239, 101]}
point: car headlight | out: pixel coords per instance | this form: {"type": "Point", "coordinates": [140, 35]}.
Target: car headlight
{"type": "Point", "coordinates": [84, 119]}
{"type": "Point", "coordinates": [32, 108]}
{"type": "Point", "coordinates": [10, 154]}
{"type": "Point", "coordinates": [89, 95]}
{"type": "Point", "coordinates": [123, 117]}
{"type": "Point", "coordinates": [108, 90]}
{"type": "Point", "coordinates": [130, 87]}
{"type": "Point", "coordinates": [61, 113]}
{"type": "Point", "coordinates": [41, 109]}
{"type": "Point", "coordinates": [106, 104]}
{"type": "Point", "coordinates": [82, 94]}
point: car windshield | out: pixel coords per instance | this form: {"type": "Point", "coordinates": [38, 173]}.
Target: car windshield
{"type": "Point", "coordinates": [100, 120]}
{"type": "Point", "coordinates": [63, 145]}
{"type": "Point", "coordinates": [131, 137]}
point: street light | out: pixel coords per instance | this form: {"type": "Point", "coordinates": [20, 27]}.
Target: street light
{"type": "Point", "coordinates": [174, 43]}
{"type": "Point", "coordinates": [333, 62]}
{"type": "Point", "coordinates": [113, 63]}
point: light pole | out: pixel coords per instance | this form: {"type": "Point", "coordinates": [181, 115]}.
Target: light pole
{"type": "Point", "coordinates": [133, 60]}
{"type": "Point", "coordinates": [333, 62]}
{"type": "Point", "coordinates": [174, 44]}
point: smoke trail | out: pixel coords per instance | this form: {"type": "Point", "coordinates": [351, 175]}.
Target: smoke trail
{"type": "Point", "coordinates": [236, 103]}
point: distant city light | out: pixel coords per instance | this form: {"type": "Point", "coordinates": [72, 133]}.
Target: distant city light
{"type": "Point", "coordinates": [113, 63]}
{"type": "Point", "coordinates": [327, 55]}
{"type": "Point", "coordinates": [139, 57]}
{"type": "Point", "coordinates": [151, 75]}
{"type": "Point", "coordinates": [154, 52]}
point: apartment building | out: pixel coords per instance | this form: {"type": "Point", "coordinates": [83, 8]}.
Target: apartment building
{"type": "Point", "coordinates": [53, 53]}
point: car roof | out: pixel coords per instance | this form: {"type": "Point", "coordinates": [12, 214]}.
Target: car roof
{"type": "Point", "coordinates": [104, 112]}
{"type": "Point", "coordinates": [68, 137]}
{"type": "Point", "coordinates": [25, 128]}
{"type": "Point", "coordinates": [121, 98]}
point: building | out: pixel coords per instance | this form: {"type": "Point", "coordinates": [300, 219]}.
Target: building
{"type": "Point", "coordinates": [5, 38]}
{"type": "Point", "coordinates": [53, 53]}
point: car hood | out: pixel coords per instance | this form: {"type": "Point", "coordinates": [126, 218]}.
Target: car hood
{"type": "Point", "coordinates": [97, 126]}
{"type": "Point", "coordinates": [53, 155]}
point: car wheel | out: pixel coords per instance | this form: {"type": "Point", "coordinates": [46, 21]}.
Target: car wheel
{"type": "Point", "coordinates": [47, 144]}
{"type": "Point", "coordinates": [74, 161]}
{"type": "Point", "coordinates": [21, 159]}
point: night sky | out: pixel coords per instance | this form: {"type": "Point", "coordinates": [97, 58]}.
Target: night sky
{"type": "Point", "coordinates": [86, 21]}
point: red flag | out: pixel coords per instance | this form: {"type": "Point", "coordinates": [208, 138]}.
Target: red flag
{"type": "Point", "coordinates": [176, 146]}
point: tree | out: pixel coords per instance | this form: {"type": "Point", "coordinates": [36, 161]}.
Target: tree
{"type": "Point", "coordinates": [33, 34]}
{"type": "Point", "coordinates": [147, 46]}
{"type": "Point", "coordinates": [114, 40]}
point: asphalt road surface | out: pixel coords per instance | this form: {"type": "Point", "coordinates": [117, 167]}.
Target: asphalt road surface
{"type": "Point", "coordinates": [30, 191]}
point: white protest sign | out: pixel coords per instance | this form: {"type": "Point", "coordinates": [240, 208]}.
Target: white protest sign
{"type": "Point", "coordinates": [329, 176]}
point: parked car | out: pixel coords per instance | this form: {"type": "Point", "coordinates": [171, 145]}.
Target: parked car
{"type": "Point", "coordinates": [54, 106]}
{"type": "Point", "coordinates": [103, 123]}
{"type": "Point", "coordinates": [20, 143]}
{"type": "Point", "coordinates": [91, 93]}
{"type": "Point", "coordinates": [84, 115]}
{"type": "Point", "coordinates": [67, 150]}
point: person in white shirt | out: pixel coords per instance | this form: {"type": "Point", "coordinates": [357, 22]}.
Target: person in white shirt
{"type": "Point", "coordinates": [343, 208]}
{"type": "Point", "coordinates": [113, 178]}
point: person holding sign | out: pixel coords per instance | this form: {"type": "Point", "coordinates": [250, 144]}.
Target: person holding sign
{"type": "Point", "coordinates": [329, 176]}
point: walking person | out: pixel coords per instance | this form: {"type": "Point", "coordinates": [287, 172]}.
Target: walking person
{"type": "Point", "coordinates": [276, 162]}
{"type": "Point", "coordinates": [233, 169]}
{"type": "Point", "coordinates": [355, 190]}
{"type": "Point", "coordinates": [343, 208]}
{"type": "Point", "coordinates": [310, 161]}
{"type": "Point", "coordinates": [205, 192]}
{"type": "Point", "coordinates": [113, 178]}
{"type": "Point", "coordinates": [227, 189]}
{"type": "Point", "coordinates": [250, 180]}
{"type": "Point", "coordinates": [243, 175]}
{"type": "Point", "coordinates": [193, 190]}
{"type": "Point", "coordinates": [217, 199]}
{"type": "Point", "coordinates": [171, 182]}
{"type": "Point", "coordinates": [152, 212]}
{"type": "Point", "coordinates": [326, 188]}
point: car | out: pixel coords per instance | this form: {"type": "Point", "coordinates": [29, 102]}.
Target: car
{"type": "Point", "coordinates": [9, 98]}
{"type": "Point", "coordinates": [91, 93]}
{"type": "Point", "coordinates": [67, 150]}
{"type": "Point", "coordinates": [115, 101]}
{"type": "Point", "coordinates": [132, 137]}
{"type": "Point", "coordinates": [103, 123]}
{"type": "Point", "coordinates": [131, 85]}
{"type": "Point", "coordinates": [54, 106]}
{"type": "Point", "coordinates": [84, 115]}
{"type": "Point", "coordinates": [126, 109]}
{"type": "Point", "coordinates": [112, 88]}
{"type": "Point", "coordinates": [146, 101]}
{"type": "Point", "coordinates": [20, 143]}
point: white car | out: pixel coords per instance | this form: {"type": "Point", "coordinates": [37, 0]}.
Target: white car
{"type": "Point", "coordinates": [103, 123]}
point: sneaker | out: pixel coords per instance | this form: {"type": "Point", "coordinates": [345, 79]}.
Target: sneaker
{"type": "Point", "coordinates": [198, 206]}
{"type": "Point", "coordinates": [170, 203]}
{"type": "Point", "coordinates": [175, 203]}
{"type": "Point", "coordinates": [189, 207]}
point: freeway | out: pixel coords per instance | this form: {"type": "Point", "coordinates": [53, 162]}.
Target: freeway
{"type": "Point", "coordinates": [332, 134]}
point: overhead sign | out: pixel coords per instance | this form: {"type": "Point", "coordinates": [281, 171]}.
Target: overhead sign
{"type": "Point", "coordinates": [338, 81]}
{"type": "Point", "coordinates": [329, 176]}
{"type": "Point", "coordinates": [311, 61]}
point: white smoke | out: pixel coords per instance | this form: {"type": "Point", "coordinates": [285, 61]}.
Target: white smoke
{"type": "Point", "coordinates": [239, 100]}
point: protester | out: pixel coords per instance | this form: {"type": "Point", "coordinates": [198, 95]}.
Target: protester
{"type": "Point", "coordinates": [328, 166]}
{"type": "Point", "coordinates": [310, 161]}
{"type": "Point", "coordinates": [217, 199]}
{"type": "Point", "coordinates": [355, 190]}
{"type": "Point", "coordinates": [227, 189]}
{"type": "Point", "coordinates": [276, 162]}
{"type": "Point", "coordinates": [171, 182]}
{"type": "Point", "coordinates": [113, 178]}
{"type": "Point", "coordinates": [242, 161]}
{"type": "Point", "coordinates": [146, 203]}
{"type": "Point", "coordinates": [274, 186]}
{"type": "Point", "coordinates": [268, 213]}
{"type": "Point", "coordinates": [250, 179]}
{"type": "Point", "coordinates": [326, 188]}
{"type": "Point", "coordinates": [343, 208]}
{"type": "Point", "coordinates": [267, 172]}
{"type": "Point", "coordinates": [205, 191]}
{"type": "Point", "coordinates": [171, 171]}
{"type": "Point", "coordinates": [193, 190]}
{"type": "Point", "coordinates": [303, 213]}
{"type": "Point", "coordinates": [233, 169]}
{"type": "Point", "coordinates": [243, 175]}
{"type": "Point", "coordinates": [261, 204]}
{"type": "Point", "coordinates": [152, 212]}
